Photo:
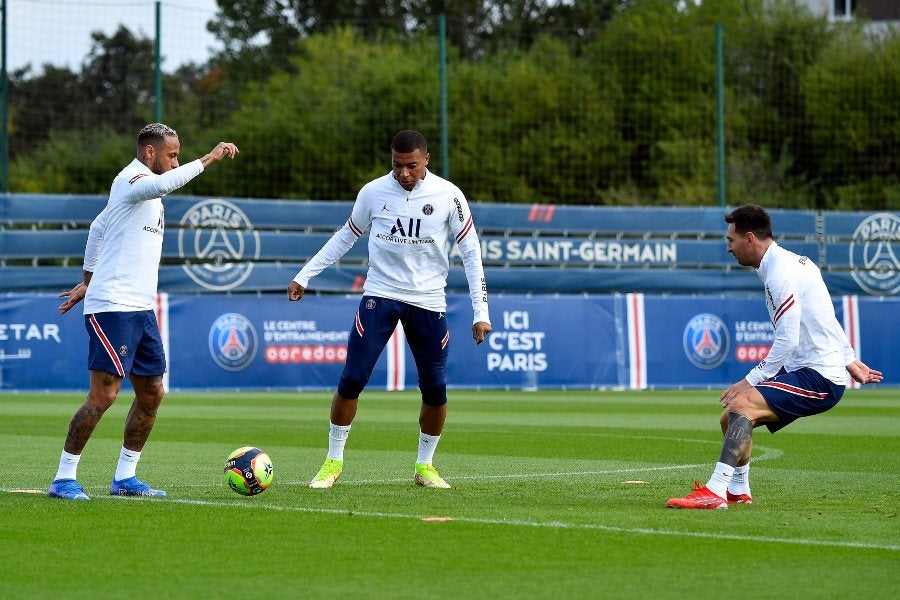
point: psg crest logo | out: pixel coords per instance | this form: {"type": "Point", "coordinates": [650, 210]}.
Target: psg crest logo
{"type": "Point", "coordinates": [874, 263]}
{"type": "Point", "coordinates": [706, 341]}
{"type": "Point", "coordinates": [233, 342]}
{"type": "Point", "coordinates": [217, 242]}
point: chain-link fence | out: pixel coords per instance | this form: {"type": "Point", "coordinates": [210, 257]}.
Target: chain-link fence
{"type": "Point", "coordinates": [626, 113]}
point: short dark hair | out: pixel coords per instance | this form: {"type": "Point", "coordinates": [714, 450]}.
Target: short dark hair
{"type": "Point", "coordinates": [751, 217]}
{"type": "Point", "coordinates": [408, 141]}
{"type": "Point", "coordinates": [155, 133]}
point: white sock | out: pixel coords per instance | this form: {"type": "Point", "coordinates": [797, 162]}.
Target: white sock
{"type": "Point", "coordinates": [427, 446]}
{"type": "Point", "coordinates": [740, 483]}
{"type": "Point", "coordinates": [68, 464]}
{"type": "Point", "coordinates": [721, 477]}
{"type": "Point", "coordinates": [337, 438]}
{"type": "Point", "coordinates": [128, 460]}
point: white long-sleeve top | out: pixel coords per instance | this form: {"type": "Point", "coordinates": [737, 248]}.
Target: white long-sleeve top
{"type": "Point", "coordinates": [125, 240]}
{"type": "Point", "coordinates": [807, 333]}
{"type": "Point", "coordinates": [409, 243]}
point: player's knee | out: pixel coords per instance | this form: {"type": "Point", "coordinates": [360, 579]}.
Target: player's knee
{"type": "Point", "coordinates": [154, 390]}
{"type": "Point", "coordinates": [349, 387]}
{"type": "Point", "coordinates": [434, 395]}
{"type": "Point", "coordinates": [723, 420]}
{"type": "Point", "coordinates": [743, 404]}
{"type": "Point", "coordinates": [148, 391]}
{"type": "Point", "coordinates": [101, 399]}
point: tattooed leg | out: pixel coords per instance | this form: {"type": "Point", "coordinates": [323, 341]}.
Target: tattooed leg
{"type": "Point", "coordinates": [149, 393]}
{"type": "Point", "coordinates": [723, 421]}
{"type": "Point", "coordinates": [104, 388]}
{"type": "Point", "coordinates": [738, 440]}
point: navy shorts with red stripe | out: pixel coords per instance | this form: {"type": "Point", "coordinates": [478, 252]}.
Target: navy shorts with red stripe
{"type": "Point", "coordinates": [800, 393]}
{"type": "Point", "coordinates": [125, 343]}
{"type": "Point", "coordinates": [426, 332]}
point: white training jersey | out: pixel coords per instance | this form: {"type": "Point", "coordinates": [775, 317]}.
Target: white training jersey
{"type": "Point", "coordinates": [409, 243]}
{"type": "Point", "coordinates": [807, 333]}
{"type": "Point", "coordinates": [125, 240]}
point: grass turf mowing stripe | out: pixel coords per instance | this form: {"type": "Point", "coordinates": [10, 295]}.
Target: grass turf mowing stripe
{"type": "Point", "coordinates": [518, 523]}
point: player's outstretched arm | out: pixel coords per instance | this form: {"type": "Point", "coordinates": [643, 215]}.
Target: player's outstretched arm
{"type": "Point", "coordinates": [862, 373]}
{"type": "Point", "coordinates": [295, 291]}
{"type": "Point", "coordinates": [221, 151]}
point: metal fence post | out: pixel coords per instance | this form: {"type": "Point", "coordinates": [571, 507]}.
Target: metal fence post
{"type": "Point", "coordinates": [720, 115]}
{"type": "Point", "coordinates": [157, 105]}
{"type": "Point", "coordinates": [445, 144]}
{"type": "Point", "coordinates": [4, 93]}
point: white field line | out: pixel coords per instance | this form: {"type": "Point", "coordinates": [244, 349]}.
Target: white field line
{"type": "Point", "coordinates": [243, 504]}
{"type": "Point", "coordinates": [523, 523]}
{"type": "Point", "coordinates": [767, 454]}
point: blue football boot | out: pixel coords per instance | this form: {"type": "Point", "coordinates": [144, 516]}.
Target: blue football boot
{"type": "Point", "coordinates": [68, 489]}
{"type": "Point", "coordinates": [133, 487]}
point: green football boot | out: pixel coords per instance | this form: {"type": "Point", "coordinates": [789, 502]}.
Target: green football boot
{"type": "Point", "coordinates": [427, 476]}
{"type": "Point", "coordinates": [328, 474]}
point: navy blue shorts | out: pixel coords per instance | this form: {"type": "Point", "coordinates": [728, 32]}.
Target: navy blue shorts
{"type": "Point", "coordinates": [125, 343]}
{"type": "Point", "coordinates": [799, 393]}
{"type": "Point", "coordinates": [426, 333]}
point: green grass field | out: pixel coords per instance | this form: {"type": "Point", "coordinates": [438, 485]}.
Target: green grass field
{"type": "Point", "coordinates": [544, 503]}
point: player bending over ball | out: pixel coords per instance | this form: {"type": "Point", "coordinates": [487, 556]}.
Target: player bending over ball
{"type": "Point", "coordinates": [121, 268]}
{"type": "Point", "coordinates": [410, 214]}
{"type": "Point", "coordinates": [803, 374]}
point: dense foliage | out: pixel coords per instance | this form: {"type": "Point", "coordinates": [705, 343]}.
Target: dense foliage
{"type": "Point", "coordinates": [597, 102]}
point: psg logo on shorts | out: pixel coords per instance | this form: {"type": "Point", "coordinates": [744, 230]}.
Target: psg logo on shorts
{"type": "Point", "coordinates": [233, 342]}
{"type": "Point", "coordinates": [706, 341]}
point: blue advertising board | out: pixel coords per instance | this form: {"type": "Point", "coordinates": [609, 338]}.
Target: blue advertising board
{"type": "Point", "coordinates": [244, 342]}
{"type": "Point", "coordinates": [537, 342]}
{"type": "Point", "coordinates": [694, 342]}
{"type": "Point", "coordinates": [268, 342]}
{"type": "Point", "coordinates": [39, 348]}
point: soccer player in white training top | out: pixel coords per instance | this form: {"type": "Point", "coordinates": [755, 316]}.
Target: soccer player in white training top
{"type": "Point", "coordinates": [121, 269]}
{"type": "Point", "coordinates": [410, 214]}
{"type": "Point", "coordinates": [805, 371]}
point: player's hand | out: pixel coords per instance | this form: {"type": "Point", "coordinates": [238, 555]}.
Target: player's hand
{"type": "Point", "coordinates": [221, 151]}
{"type": "Point", "coordinates": [732, 392]}
{"type": "Point", "coordinates": [480, 331]}
{"type": "Point", "coordinates": [295, 291]}
{"type": "Point", "coordinates": [73, 297]}
{"type": "Point", "coordinates": [862, 373]}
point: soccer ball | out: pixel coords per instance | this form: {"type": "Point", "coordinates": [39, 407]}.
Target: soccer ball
{"type": "Point", "coordinates": [248, 471]}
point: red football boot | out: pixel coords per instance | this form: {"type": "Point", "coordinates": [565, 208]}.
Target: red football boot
{"type": "Point", "coordinates": [700, 497]}
{"type": "Point", "coordinates": [738, 498]}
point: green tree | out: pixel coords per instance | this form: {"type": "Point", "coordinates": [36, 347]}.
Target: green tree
{"type": "Point", "coordinates": [98, 111]}
{"type": "Point", "coordinates": [769, 49]}
{"type": "Point", "coordinates": [271, 30]}
{"type": "Point", "coordinates": [532, 127]}
{"type": "Point", "coordinates": [74, 161]}
{"type": "Point", "coordinates": [39, 104]}
{"type": "Point", "coordinates": [851, 96]}
{"type": "Point", "coordinates": [661, 58]}
{"type": "Point", "coordinates": [319, 132]}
